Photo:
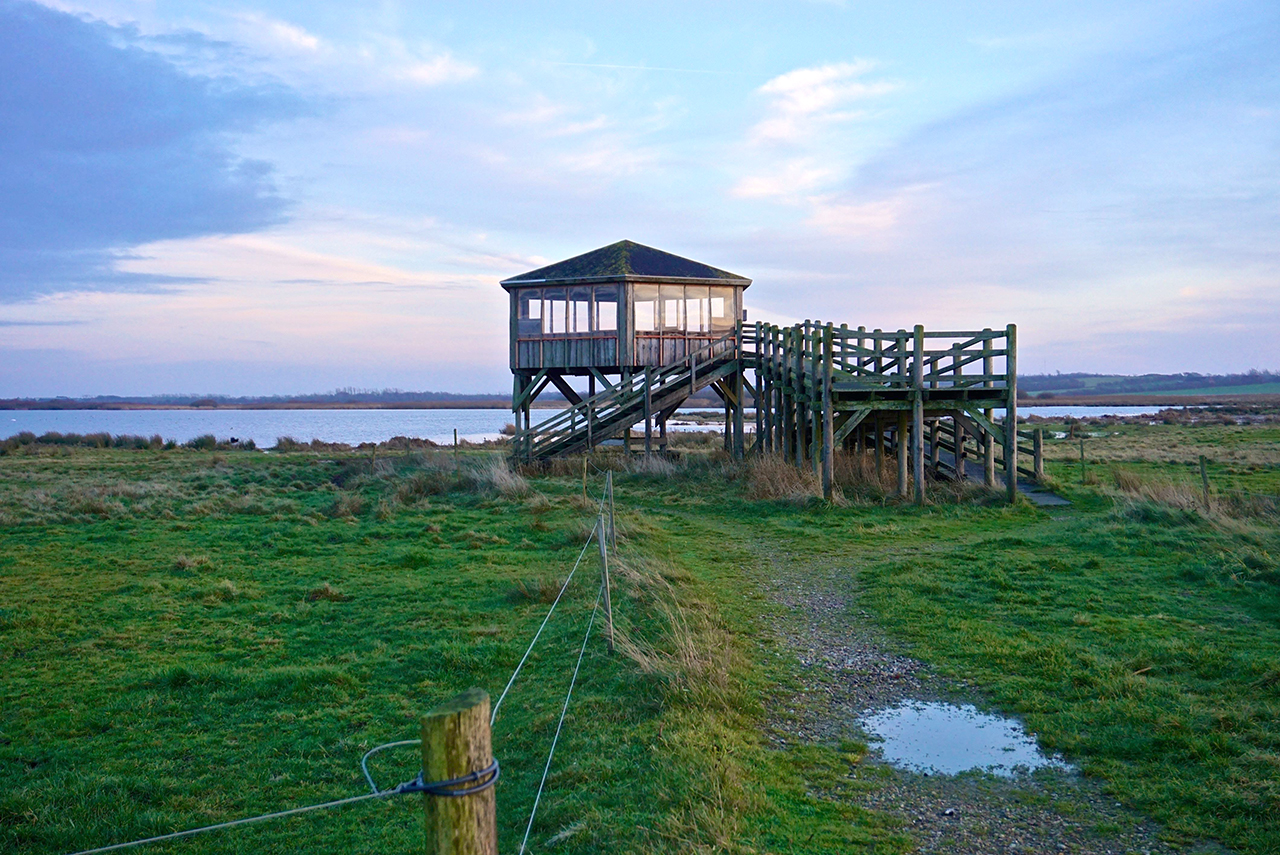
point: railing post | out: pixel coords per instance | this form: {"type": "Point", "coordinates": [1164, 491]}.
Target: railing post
{"type": "Point", "coordinates": [917, 419]}
{"type": "Point", "coordinates": [989, 442]}
{"type": "Point", "coordinates": [648, 414]}
{"type": "Point", "coordinates": [456, 742]}
{"type": "Point", "coordinates": [828, 420]}
{"type": "Point", "coordinates": [739, 437]}
{"type": "Point", "coordinates": [1011, 413]}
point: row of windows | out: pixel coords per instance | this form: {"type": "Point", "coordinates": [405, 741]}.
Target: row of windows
{"type": "Point", "coordinates": [683, 308]}
{"type": "Point", "coordinates": [555, 311]}
{"type": "Point", "coordinates": [658, 308]}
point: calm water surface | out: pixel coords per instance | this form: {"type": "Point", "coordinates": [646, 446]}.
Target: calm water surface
{"type": "Point", "coordinates": [938, 738]}
{"type": "Point", "coordinates": [264, 427]}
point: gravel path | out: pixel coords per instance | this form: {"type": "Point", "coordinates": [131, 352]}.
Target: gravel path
{"type": "Point", "coordinates": [849, 668]}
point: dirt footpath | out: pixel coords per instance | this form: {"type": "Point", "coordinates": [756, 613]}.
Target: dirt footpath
{"type": "Point", "coordinates": [847, 668]}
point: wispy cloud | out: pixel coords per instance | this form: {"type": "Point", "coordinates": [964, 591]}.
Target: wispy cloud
{"type": "Point", "coordinates": [803, 101]}
{"type": "Point", "coordinates": [436, 70]}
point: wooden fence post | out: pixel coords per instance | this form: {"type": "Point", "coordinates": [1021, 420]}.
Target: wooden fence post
{"type": "Point", "coordinates": [602, 537]}
{"type": "Point", "coordinates": [456, 742]}
{"type": "Point", "coordinates": [1038, 448]}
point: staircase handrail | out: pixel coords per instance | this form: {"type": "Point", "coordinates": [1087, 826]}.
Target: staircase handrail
{"type": "Point", "coordinates": [605, 399]}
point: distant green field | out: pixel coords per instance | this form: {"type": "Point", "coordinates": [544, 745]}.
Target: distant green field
{"type": "Point", "coordinates": [193, 636]}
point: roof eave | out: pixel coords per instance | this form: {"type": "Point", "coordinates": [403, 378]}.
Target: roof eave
{"type": "Point", "coordinates": [736, 281]}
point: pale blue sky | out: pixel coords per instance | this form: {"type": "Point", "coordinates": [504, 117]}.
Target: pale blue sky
{"type": "Point", "coordinates": [286, 197]}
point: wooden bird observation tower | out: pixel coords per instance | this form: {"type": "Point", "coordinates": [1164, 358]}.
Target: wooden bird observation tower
{"type": "Point", "coordinates": [615, 316]}
{"type": "Point", "coordinates": [651, 329]}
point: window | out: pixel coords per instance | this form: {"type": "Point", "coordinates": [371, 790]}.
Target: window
{"type": "Point", "coordinates": [646, 305]}
{"type": "Point", "coordinates": [606, 308]}
{"type": "Point", "coordinates": [722, 309]}
{"type": "Point", "coordinates": [697, 309]}
{"type": "Point", "coordinates": [671, 298]}
{"type": "Point", "coordinates": [580, 310]}
{"type": "Point", "coordinates": [556, 320]}
{"type": "Point", "coordinates": [528, 312]}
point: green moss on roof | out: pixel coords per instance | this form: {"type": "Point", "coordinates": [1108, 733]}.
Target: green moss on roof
{"type": "Point", "coordinates": [624, 258]}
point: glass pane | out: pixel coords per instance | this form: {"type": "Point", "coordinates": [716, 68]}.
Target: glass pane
{"type": "Point", "coordinates": [606, 319]}
{"type": "Point", "coordinates": [672, 300]}
{"type": "Point", "coordinates": [722, 309]}
{"type": "Point", "coordinates": [556, 310]}
{"type": "Point", "coordinates": [580, 310]}
{"type": "Point", "coordinates": [646, 304]}
{"type": "Point", "coordinates": [697, 309]}
{"type": "Point", "coordinates": [529, 312]}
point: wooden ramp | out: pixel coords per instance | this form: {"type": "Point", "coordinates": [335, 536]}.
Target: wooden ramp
{"type": "Point", "coordinates": [927, 397]}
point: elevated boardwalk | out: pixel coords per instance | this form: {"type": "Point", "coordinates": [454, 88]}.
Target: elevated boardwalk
{"type": "Point", "coordinates": [815, 387]}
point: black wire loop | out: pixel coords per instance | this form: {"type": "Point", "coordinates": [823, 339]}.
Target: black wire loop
{"type": "Point", "coordinates": [454, 787]}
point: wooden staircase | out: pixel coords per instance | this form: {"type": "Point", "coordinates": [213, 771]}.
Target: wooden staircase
{"type": "Point", "coordinates": [640, 397]}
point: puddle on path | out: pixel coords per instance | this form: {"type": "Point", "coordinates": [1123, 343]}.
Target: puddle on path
{"type": "Point", "coordinates": [925, 736]}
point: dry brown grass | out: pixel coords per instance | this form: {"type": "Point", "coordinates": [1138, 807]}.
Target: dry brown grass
{"type": "Point", "coordinates": [347, 505]}
{"type": "Point", "coordinates": [327, 592]}
{"type": "Point", "coordinates": [1159, 490]}
{"type": "Point", "coordinates": [191, 563]}
{"type": "Point", "coordinates": [770, 478]}
{"type": "Point", "coordinates": [496, 475]}
{"type": "Point", "coordinates": [540, 590]}
{"type": "Point", "coordinates": [689, 649]}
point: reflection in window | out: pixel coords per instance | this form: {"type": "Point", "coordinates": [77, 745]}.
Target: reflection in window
{"type": "Point", "coordinates": [697, 309]}
{"type": "Point", "coordinates": [529, 312]}
{"type": "Point", "coordinates": [672, 304]}
{"type": "Point", "coordinates": [721, 309]}
{"type": "Point", "coordinates": [646, 304]}
{"type": "Point", "coordinates": [557, 311]}
{"type": "Point", "coordinates": [580, 310]}
{"type": "Point", "coordinates": [606, 319]}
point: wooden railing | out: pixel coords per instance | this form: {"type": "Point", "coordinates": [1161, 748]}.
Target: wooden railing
{"type": "Point", "coordinates": [876, 359]}
{"type": "Point", "coordinates": [613, 404]}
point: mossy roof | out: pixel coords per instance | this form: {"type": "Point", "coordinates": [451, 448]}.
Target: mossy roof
{"type": "Point", "coordinates": [625, 260]}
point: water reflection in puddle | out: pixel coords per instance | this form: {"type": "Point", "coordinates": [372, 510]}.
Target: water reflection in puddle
{"type": "Point", "coordinates": [925, 736]}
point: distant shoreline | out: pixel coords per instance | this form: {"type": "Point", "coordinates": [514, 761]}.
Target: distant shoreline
{"type": "Point", "coordinates": [1265, 400]}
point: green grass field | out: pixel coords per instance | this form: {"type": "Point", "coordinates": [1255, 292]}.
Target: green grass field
{"type": "Point", "coordinates": [194, 636]}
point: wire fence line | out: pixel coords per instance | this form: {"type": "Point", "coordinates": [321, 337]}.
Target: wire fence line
{"type": "Point", "coordinates": [375, 792]}
{"type": "Point", "coordinates": [537, 799]}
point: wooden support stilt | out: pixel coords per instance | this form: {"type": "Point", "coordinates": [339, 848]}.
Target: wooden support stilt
{"type": "Point", "coordinates": [739, 438]}
{"type": "Point", "coordinates": [917, 414]}
{"type": "Point", "coordinates": [988, 441]}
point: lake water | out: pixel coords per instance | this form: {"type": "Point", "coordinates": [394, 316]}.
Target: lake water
{"type": "Point", "coordinates": [264, 427]}
{"type": "Point", "coordinates": [353, 427]}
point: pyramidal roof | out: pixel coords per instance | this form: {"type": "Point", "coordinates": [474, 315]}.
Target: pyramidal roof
{"type": "Point", "coordinates": [625, 260]}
